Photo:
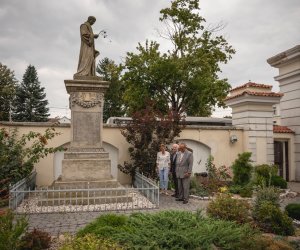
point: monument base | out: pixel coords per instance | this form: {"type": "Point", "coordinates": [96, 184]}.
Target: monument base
{"type": "Point", "coordinates": [86, 169]}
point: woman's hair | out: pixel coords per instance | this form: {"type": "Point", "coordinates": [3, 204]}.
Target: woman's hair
{"type": "Point", "coordinates": [162, 145]}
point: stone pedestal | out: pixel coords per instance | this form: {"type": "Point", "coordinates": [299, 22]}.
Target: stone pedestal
{"type": "Point", "coordinates": [86, 158]}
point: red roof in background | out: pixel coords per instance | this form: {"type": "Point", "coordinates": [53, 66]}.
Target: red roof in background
{"type": "Point", "coordinates": [253, 84]}
{"type": "Point", "coordinates": [266, 94]}
{"type": "Point", "coordinates": [282, 129]}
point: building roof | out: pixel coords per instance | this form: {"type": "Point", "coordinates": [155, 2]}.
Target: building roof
{"type": "Point", "coordinates": [247, 92]}
{"type": "Point", "coordinates": [252, 84]}
{"type": "Point", "coordinates": [282, 129]}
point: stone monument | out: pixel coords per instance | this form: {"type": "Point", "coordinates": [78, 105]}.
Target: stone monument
{"type": "Point", "coordinates": [86, 160]}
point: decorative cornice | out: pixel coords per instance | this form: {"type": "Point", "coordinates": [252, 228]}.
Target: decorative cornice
{"type": "Point", "coordinates": [285, 57]}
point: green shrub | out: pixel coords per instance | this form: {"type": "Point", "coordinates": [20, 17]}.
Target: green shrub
{"type": "Point", "coordinates": [271, 243]}
{"type": "Point", "coordinates": [172, 230]}
{"type": "Point", "coordinates": [278, 181]}
{"type": "Point", "coordinates": [11, 230]}
{"type": "Point", "coordinates": [263, 174]}
{"type": "Point", "coordinates": [272, 220]}
{"type": "Point", "coordinates": [270, 194]}
{"type": "Point", "coordinates": [235, 189]}
{"type": "Point", "coordinates": [89, 242]}
{"type": "Point", "coordinates": [226, 208]}
{"type": "Point", "coordinates": [242, 169]}
{"type": "Point", "coordinates": [293, 210]}
{"type": "Point", "coordinates": [246, 191]}
{"type": "Point", "coordinates": [197, 189]}
{"type": "Point", "coordinates": [35, 240]}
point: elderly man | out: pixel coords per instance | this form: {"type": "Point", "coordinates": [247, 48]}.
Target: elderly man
{"type": "Point", "coordinates": [173, 158]}
{"type": "Point", "coordinates": [184, 166]}
{"type": "Point", "coordinates": [88, 54]}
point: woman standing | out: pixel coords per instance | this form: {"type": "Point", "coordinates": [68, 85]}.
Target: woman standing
{"type": "Point", "coordinates": [163, 166]}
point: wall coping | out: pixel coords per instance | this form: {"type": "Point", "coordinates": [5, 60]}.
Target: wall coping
{"type": "Point", "coordinates": [67, 125]}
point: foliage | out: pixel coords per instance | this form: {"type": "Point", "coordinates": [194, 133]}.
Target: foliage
{"type": "Point", "coordinates": [30, 104]}
{"type": "Point", "coordinates": [278, 181]}
{"type": "Point", "coordinates": [35, 240]}
{"type": "Point", "coordinates": [243, 191]}
{"type": "Point", "coordinates": [272, 220]}
{"type": "Point", "coordinates": [185, 78]}
{"type": "Point", "coordinates": [19, 154]}
{"type": "Point", "coordinates": [269, 194]}
{"type": "Point", "coordinates": [198, 189]}
{"type": "Point", "coordinates": [7, 91]}
{"type": "Point", "coordinates": [226, 208]}
{"type": "Point", "coordinates": [246, 191]}
{"type": "Point", "coordinates": [217, 176]}
{"type": "Point", "coordinates": [11, 230]}
{"type": "Point", "coordinates": [263, 174]}
{"type": "Point", "coordinates": [242, 169]}
{"type": "Point", "coordinates": [89, 242]}
{"type": "Point", "coordinates": [147, 130]}
{"type": "Point", "coordinates": [113, 105]}
{"type": "Point", "coordinates": [270, 243]}
{"type": "Point", "coordinates": [171, 230]}
{"type": "Point", "coordinates": [293, 210]}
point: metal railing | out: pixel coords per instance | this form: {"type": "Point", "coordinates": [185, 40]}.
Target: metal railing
{"type": "Point", "coordinates": [141, 181]}
{"type": "Point", "coordinates": [88, 197]}
{"type": "Point", "coordinates": [26, 184]}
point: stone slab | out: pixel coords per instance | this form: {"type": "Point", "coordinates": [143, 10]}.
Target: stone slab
{"type": "Point", "coordinates": [86, 169]}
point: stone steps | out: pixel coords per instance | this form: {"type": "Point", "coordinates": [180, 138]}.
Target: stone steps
{"type": "Point", "coordinates": [85, 184]}
{"type": "Point", "coordinates": [85, 201]}
{"type": "Point", "coordinates": [84, 193]}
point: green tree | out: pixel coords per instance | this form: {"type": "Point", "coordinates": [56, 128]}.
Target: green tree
{"type": "Point", "coordinates": [30, 103]}
{"type": "Point", "coordinates": [7, 91]}
{"type": "Point", "coordinates": [242, 169]}
{"type": "Point", "coordinates": [184, 78]}
{"type": "Point", "coordinates": [17, 158]}
{"type": "Point", "coordinates": [113, 105]}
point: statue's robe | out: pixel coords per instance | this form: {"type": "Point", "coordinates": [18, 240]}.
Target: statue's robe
{"type": "Point", "coordinates": [87, 55]}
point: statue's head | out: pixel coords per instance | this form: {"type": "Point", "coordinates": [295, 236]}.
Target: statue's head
{"type": "Point", "coordinates": [91, 20]}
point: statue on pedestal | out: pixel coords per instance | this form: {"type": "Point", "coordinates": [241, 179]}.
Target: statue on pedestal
{"type": "Point", "coordinates": [88, 54]}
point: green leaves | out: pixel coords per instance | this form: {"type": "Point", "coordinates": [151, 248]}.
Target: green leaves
{"type": "Point", "coordinates": [113, 105]}
{"type": "Point", "coordinates": [185, 78]}
{"type": "Point", "coordinates": [7, 91]}
{"type": "Point", "coordinates": [19, 154]}
{"type": "Point", "coordinates": [30, 103]}
{"type": "Point", "coordinates": [172, 230]}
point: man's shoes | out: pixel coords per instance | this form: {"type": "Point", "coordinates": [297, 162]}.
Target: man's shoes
{"type": "Point", "coordinates": [185, 201]}
{"type": "Point", "coordinates": [177, 199]}
{"type": "Point", "coordinates": [174, 195]}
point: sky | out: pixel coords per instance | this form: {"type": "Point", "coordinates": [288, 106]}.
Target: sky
{"type": "Point", "coordinates": [46, 34]}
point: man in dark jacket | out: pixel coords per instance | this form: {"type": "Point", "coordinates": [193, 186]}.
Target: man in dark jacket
{"type": "Point", "coordinates": [173, 157]}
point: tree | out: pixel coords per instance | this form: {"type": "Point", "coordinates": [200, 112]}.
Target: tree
{"type": "Point", "coordinates": [17, 159]}
{"type": "Point", "coordinates": [7, 91]}
{"type": "Point", "coordinates": [30, 103]}
{"type": "Point", "coordinates": [113, 104]}
{"type": "Point", "coordinates": [185, 78]}
{"type": "Point", "coordinates": [147, 130]}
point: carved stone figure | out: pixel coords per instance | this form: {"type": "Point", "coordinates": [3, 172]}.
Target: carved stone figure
{"type": "Point", "coordinates": [87, 55]}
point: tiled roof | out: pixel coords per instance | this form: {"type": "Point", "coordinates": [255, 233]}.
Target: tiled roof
{"type": "Point", "coordinates": [282, 129]}
{"type": "Point", "coordinates": [266, 94]}
{"type": "Point", "coordinates": [253, 84]}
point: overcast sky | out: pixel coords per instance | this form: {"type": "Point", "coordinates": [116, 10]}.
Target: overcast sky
{"type": "Point", "coordinates": [46, 34]}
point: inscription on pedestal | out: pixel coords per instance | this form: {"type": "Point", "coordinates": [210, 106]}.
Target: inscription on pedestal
{"type": "Point", "coordinates": [86, 127]}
